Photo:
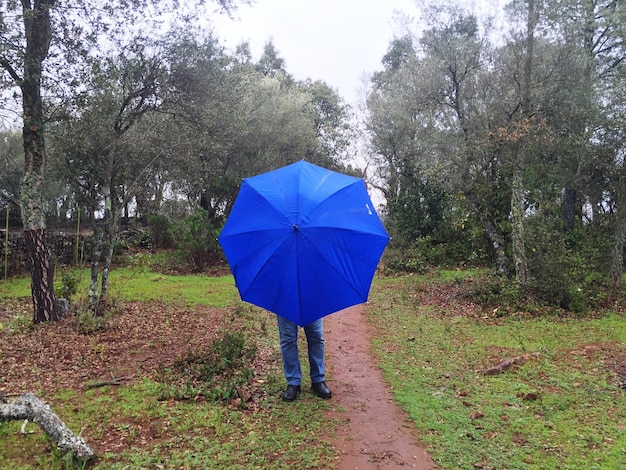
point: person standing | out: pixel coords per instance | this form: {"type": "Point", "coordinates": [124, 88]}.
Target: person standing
{"type": "Point", "coordinates": [288, 332]}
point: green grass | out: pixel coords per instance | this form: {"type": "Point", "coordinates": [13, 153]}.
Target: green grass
{"type": "Point", "coordinates": [186, 434]}
{"type": "Point", "coordinates": [15, 287]}
{"type": "Point", "coordinates": [192, 289]}
{"type": "Point", "coordinates": [559, 410]}
{"type": "Point", "coordinates": [138, 284]}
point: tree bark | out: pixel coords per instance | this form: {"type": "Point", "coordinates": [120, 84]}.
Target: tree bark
{"type": "Point", "coordinates": [517, 192]}
{"type": "Point", "coordinates": [568, 208]}
{"type": "Point", "coordinates": [495, 237]}
{"type": "Point", "coordinates": [95, 260]}
{"type": "Point", "coordinates": [517, 213]}
{"type": "Point", "coordinates": [106, 238]}
{"type": "Point", "coordinates": [33, 409]}
{"type": "Point", "coordinates": [106, 267]}
{"type": "Point", "coordinates": [38, 31]}
{"type": "Point", "coordinates": [620, 229]}
{"type": "Point", "coordinates": [41, 277]}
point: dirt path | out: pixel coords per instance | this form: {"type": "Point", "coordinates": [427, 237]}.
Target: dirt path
{"type": "Point", "coordinates": [377, 435]}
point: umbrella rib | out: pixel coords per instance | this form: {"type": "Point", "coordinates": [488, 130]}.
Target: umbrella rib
{"type": "Point", "coordinates": [298, 251]}
{"type": "Point", "coordinates": [267, 260]}
{"type": "Point", "coordinates": [332, 194]}
{"type": "Point", "coordinates": [331, 265]}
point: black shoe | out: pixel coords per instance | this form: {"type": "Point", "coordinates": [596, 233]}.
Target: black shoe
{"type": "Point", "coordinates": [291, 393]}
{"type": "Point", "coordinates": [321, 390]}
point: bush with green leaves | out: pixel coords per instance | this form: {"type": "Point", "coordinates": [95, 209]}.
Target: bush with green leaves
{"type": "Point", "coordinates": [494, 290]}
{"type": "Point", "coordinates": [87, 323]}
{"type": "Point", "coordinates": [196, 239]}
{"type": "Point", "coordinates": [160, 230]}
{"type": "Point", "coordinates": [435, 236]}
{"type": "Point", "coordinates": [560, 274]}
{"type": "Point", "coordinates": [400, 258]}
{"type": "Point", "coordinates": [68, 287]}
{"type": "Point", "coordinates": [18, 324]}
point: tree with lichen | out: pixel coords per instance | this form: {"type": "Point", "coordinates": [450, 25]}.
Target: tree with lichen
{"type": "Point", "coordinates": [25, 68]}
{"type": "Point", "coordinates": [44, 46]}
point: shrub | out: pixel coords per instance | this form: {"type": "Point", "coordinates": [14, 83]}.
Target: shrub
{"type": "Point", "coordinates": [561, 276]}
{"type": "Point", "coordinates": [493, 290]}
{"type": "Point", "coordinates": [196, 239]}
{"type": "Point", "coordinates": [68, 287]}
{"type": "Point", "coordinates": [404, 259]}
{"type": "Point", "coordinates": [88, 323]}
{"type": "Point", "coordinates": [138, 238]}
{"type": "Point", "coordinates": [160, 230]}
{"type": "Point", "coordinates": [214, 372]}
{"type": "Point", "coordinates": [19, 324]}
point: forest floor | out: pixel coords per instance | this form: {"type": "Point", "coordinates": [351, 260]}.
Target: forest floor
{"type": "Point", "coordinates": [366, 430]}
{"type": "Point", "coordinates": [373, 433]}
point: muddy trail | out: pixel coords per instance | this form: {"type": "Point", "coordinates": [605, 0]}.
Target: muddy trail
{"type": "Point", "coordinates": [376, 433]}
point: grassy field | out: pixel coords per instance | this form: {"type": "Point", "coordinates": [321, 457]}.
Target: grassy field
{"type": "Point", "coordinates": [151, 423]}
{"type": "Point", "coordinates": [559, 407]}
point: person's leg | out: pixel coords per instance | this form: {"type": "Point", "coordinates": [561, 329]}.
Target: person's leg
{"type": "Point", "coordinates": [288, 332]}
{"type": "Point", "coordinates": [315, 344]}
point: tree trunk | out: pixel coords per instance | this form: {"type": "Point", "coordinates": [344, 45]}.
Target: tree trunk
{"type": "Point", "coordinates": [517, 213]}
{"type": "Point", "coordinates": [568, 208]}
{"type": "Point", "coordinates": [205, 201]}
{"type": "Point", "coordinates": [41, 277]}
{"type": "Point", "coordinates": [620, 229]}
{"type": "Point", "coordinates": [495, 237]}
{"type": "Point", "coordinates": [111, 233]}
{"type": "Point", "coordinates": [517, 190]}
{"type": "Point", "coordinates": [106, 237]}
{"type": "Point", "coordinates": [38, 35]}
{"type": "Point", "coordinates": [95, 261]}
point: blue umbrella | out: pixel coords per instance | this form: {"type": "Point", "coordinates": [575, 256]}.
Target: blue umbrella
{"type": "Point", "coordinates": [303, 241]}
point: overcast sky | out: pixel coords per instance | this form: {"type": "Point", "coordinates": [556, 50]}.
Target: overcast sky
{"type": "Point", "coordinates": [337, 41]}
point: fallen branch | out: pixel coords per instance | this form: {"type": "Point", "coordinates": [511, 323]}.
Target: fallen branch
{"type": "Point", "coordinates": [508, 363]}
{"type": "Point", "coordinates": [103, 383]}
{"type": "Point", "coordinates": [31, 408]}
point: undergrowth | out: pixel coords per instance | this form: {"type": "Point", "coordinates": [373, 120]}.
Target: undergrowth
{"type": "Point", "coordinates": [215, 372]}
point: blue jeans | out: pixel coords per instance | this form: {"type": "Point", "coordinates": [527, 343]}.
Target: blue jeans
{"type": "Point", "coordinates": [314, 332]}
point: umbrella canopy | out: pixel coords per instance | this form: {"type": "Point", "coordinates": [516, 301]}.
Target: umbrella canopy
{"type": "Point", "coordinates": [303, 241]}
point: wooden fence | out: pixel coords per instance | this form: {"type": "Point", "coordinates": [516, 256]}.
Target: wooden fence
{"type": "Point", "coordinates": [62, 246]}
